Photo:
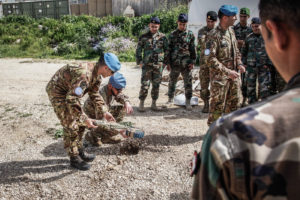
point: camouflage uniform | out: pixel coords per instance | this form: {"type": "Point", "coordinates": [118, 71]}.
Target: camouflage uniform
{"type": "Point", "coordinates": [150, 52]}
{"type": "Point", "coordinates": [255, 57]}
{"type": "Point", "coordinates": [241, 32]}
{"type": "Point", "coordinates": [223, 56]}
{"type": "Point", "coordinates": [182, 53]}
{"type": "Point", "coordinates": [63, 94]}
{"type": "Point", "coordinates": [204, 68]}
{"type": "Point", "coordinates": [277, 83]}
{"type": "Point", "coordinates": [253, 153]}
{"type": "Point", "coordinates": [118, 111]}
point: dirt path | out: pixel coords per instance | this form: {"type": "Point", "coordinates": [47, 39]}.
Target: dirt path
{"type": "Point", "coordinates": [34, 165]}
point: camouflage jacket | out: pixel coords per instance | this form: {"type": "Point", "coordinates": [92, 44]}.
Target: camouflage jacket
{"type": "Point", "coordinates": [70, 83]}
{"type": "Point", "coordinates": [202, 39]}
{"type": "Point", "coordinates": [241, 32]}
{"type": "Point", "coordinates": [253, 153]}
{"type": "Point", "coordinates": [254, 52]}
{"type": "Point", "coordinates": [182, 50]}
{"type": "Point", "coordinates": [222, 53]}
{"type": "Point", "coordinates": [89, 106]}
{"type": "Point", "coordinates": [151, 49]}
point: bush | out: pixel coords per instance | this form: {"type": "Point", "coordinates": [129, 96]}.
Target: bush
{"type": "Point", "coordinates": [78, 36]}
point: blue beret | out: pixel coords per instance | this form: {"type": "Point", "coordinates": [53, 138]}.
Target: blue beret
{"type": "Point", "coordinates": [112, 61]}
{"type": "Point", "coordinates": [154, 20]}
{"type": "Point", "coordinates": [118, 81]}
{"type": "Point", "coordinates": [255, 20]}
{"type": "Point", "coordinates": [183, 18]}
{"type": "Point", "coordinates": [229, 10]}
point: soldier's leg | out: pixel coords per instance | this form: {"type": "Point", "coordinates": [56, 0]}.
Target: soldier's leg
{"type": "Point", "coordinates": [204, 82]}
{"type": "Point", "coordinates": [272, 85]}
{"type": "Point", "coordinates": [216, 101]}
{"type": "Point", "coordinates": [118, 112]}
{"type": "Point", "coordinates": [174, 74]}
{"type": "Point", "coordinates": [145, 82]}
{"type": "Point", "coordinates": [156, 80]}
{"type": "Point", "coordinates": [263, 82]}
{"type": "Point", "coordinates": [280, 83]}
{"type": "Point", "coordinates": [233, 97]}
{"type": "Point", "coordinates": [188, 83]}
{"type": "Point", "coordinates": [251, 83]}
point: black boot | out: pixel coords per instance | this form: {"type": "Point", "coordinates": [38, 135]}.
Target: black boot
{"type": "Point", "coordinates": [78, 163]}
{"type": "Point", "coordinates": [87, 157]}
{"type": "Point", "coordinates": [205, 107]}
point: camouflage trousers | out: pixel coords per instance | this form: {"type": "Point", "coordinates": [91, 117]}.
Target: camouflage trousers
{"type": "Point", "coordinates": [225, 97]}
{"type": "Point", "coordinates": [150, 74]}
{"type": "Point", "coordinates": [73, 128]}
{"type": "Point", "coordinates": [261, 74]}
{"type": "Point", "coordinates": [104, 131]}
{"type": "Point", "coordinates": [277, 83]}
{"type": "Point", "coordinates": [187, 79]}
{"type": "Point", "coordinates": [204, 82]}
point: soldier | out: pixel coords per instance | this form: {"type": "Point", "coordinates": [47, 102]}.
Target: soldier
{"type": "Point", "coordinates": [111, 91]}
{"type": "Point", "coordinates": [181, 59]}
{"type": "Point", "coordinates": [224, 61]}
{"type": "Point", "coordinates": [253, 153]}
{"type": "Point", "coordinates": [152, 47]}
{"type": "Point", "coordinates": [242, 30]}
{"type": "Point", "coordinates": [257, 61]}
{"type": "Point", "coordinates": [65, 89]}
{"type": "Point", "coordinates": [277, 83]}
{"type": "Point", "coordinates": [211, 18]}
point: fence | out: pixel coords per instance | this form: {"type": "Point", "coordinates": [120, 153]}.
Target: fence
{"type": "Point", "coordinates": [38, 9]}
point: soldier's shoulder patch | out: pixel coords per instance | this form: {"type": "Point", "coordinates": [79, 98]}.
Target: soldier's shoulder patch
{"type": "Point", "coordinates": [78, 91]}
{"type": "Point", "coordinates": [206, 52]}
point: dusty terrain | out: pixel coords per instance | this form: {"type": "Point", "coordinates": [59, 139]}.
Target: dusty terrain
{"type": "Point", "coordinates": [34, 165]}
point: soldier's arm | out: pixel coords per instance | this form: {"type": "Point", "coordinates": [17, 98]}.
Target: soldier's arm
{"type": "Point", "coordinates": [192, 49]}
{"type": "Point", "coordinates": [122, 98]}
{"type": "Point", "coordinates": [169, 51]}
{"type": "Point", "coordinates": [139, 51]}
{"type": "Point", "coordinates": [244, 52]}
{"type": "Point", "coordinates": [73, 99]}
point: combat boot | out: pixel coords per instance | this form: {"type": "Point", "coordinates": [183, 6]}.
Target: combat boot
{"type": "Point", "coordinates": [206, 107]}
{"type": "Point", "coordinates": [153, 106]}
{"type": "Point", "coordinates": [95, 141]}
{"type": "Point", "coordinates": [78, 163]}
{"type": "Point", "coordinates": [188, 105]}
{"type": "Point", "coordinates": [141, 106]}
{"type": "Point", "coordinates": [87, 157]}
{"type": "Point", "coordinates": [169, 102]}
{"type": "Point", "coordinates": [111, 140]}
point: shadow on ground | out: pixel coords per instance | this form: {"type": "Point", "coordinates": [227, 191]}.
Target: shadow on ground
{"type": "Point", "coordinates": [173, 113]}
{"type": "Point", "coordinates": [152, 143]}
{"type": "Point", "coordinates": [180, 196]}
{"type": "Point", "coordinates": [19, 171]}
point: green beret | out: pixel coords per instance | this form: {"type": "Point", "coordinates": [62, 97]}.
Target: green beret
{"type": "Point", "coordinates": [245, 11]}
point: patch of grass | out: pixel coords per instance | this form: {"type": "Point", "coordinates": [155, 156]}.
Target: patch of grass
{"type": "Point", "coordinates": [8, 109]}
{"type": "Point", "coordinates": [59, 133]}
{"type": "Point", "coordinates": [25, 115]}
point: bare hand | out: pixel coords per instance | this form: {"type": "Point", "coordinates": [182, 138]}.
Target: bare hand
{"type": "Point", "coordinates": [191, 66]}
{"type": "Point", "coordinates": [233, 74]}
{"type": "Point", "coordinates": [128, 107]}
{"type": "Point", "coordinates": [240, 43]}
{"type": "Point", "coordinates": [242, 68]}
{"type": "Point", "coordinates": [169, 67]}
{"type": "Point", "coordinates": [266, 66]}
{"type": "Point", "coordinates": [141, 65]}
{"type": "Point", "coordinates": [123, 133]}
{"type": "Point", "coordinates": [89, 123]}
{"type": "Point", "coordinates": [109, 117]}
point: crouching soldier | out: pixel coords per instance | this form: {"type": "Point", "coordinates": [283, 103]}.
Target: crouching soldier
{"type": "Point", "coordinates": [65, 89]}
{"type": "Point", "coordinates": [111, 92]}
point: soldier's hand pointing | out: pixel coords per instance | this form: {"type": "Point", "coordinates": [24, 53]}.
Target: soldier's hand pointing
{"type": "Point", "coordinates": [89, 123]}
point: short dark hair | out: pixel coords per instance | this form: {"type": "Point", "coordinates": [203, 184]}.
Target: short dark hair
{"type": "Point", "coordinates": [220, 14]}
{"type": "Point", "coordinates": [281, 11]}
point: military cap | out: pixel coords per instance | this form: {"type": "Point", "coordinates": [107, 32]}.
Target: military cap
{"type": "Point", "coordinates": [112, 61]}
{"type": "Point", "coordinates": [154, 20]}
{"type": "Point", "coordinates": [212, 15]}
{"type": "Point", "coordinates": [183, 18]}
{"type": "Point", "coordinates": [255, 20]}
{"type": "Point", "coordinates": [118, 81]}
{"type": "Point", "coordinates": [229, 10]}
{"type": "Point", "coordinates": [245, 11]}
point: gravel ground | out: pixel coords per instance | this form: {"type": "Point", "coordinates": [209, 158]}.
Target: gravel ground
{"type": "Point", "coordinates": [34, 165]}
